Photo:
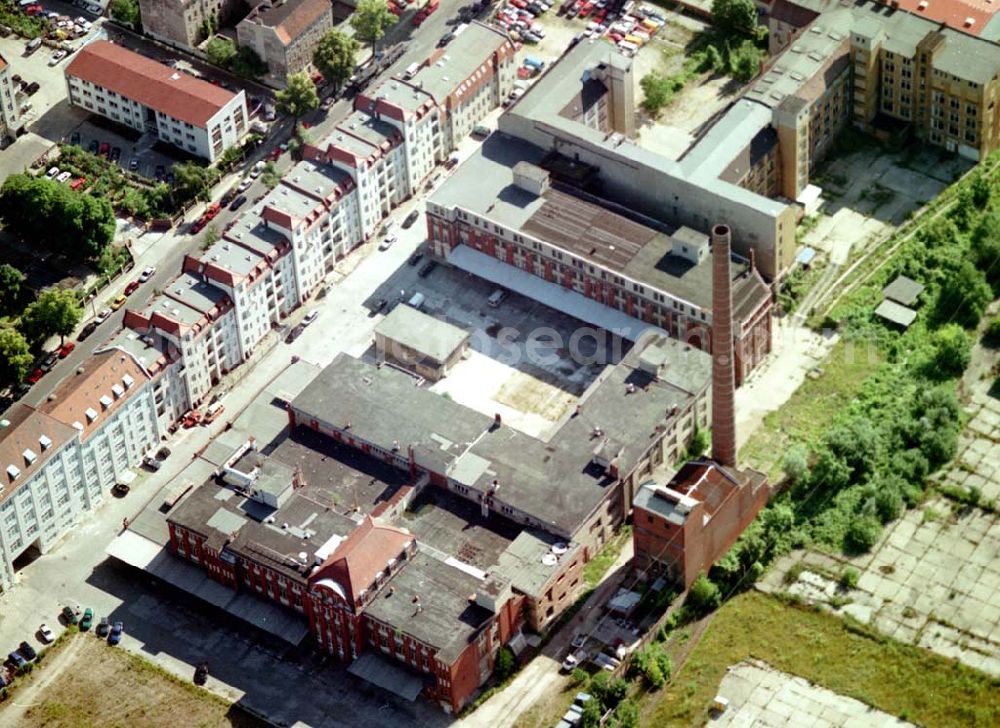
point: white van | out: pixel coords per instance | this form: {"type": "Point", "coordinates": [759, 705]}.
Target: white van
{"type": "Point", "coordinates": [496, 298]}
{"type": "Point", "coordinates": [417, 301]}
{"type": "Point", "coordinates": [411, 71]}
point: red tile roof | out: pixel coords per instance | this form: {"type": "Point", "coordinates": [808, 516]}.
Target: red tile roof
{"type": "Point", "coordinates": [84, 389]}
{"type": "Point", "coordinates": [361, 556]}
{"type": "Point", "coordinates": [159, 87]}
{"type": "Point", "coordinates": [290, 18]}
{"type": "Point", "coordinates": [23, 430]}
{"type": "Point", "coordinates": [954, 13]}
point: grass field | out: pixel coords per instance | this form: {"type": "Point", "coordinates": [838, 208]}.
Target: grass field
{"type": "Point", "coordinates": [902, 680]}
{"type": "Point", "coordinates": [94, 685]}
{"type": "Point", "coordinates": [807, 413]}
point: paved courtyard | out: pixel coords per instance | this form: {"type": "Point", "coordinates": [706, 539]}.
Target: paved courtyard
{"type": "Point", "coordinates": [761, 696]}
{"type": "Point", "coordinates": [978, 462]}
{"type": "Point", "coordinates": [868, 193]}
{"type": "Point", "coordinates": [933, 581]}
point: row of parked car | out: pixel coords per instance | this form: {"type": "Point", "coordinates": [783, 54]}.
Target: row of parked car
{"type": "Point", "coordinates": [26, 653]}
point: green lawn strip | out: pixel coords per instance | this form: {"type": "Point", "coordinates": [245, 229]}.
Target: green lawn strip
{"type": "Point", "coordinates": [594, 571]}
{"type": "Point", "coordinates": [899, 679]}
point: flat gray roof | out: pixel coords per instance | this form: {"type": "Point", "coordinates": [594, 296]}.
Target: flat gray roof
{"type": "Point", "coordinates": [373, 133]}
{"type": "Point", "coordinates": [553, 480]}
{"type": "Point", "coordinates": [529, 561]}
{"type": "Point", "coordinates": [195, 292]}
{"type": "Point", "coordinates": [484, 185]}
{"type": "Point", "coordinates": [556, 89]}
{"type": "Point", "coordinates": [231, 257]}
{"type": "Point", "coordinates": [892, 311]}
{"type": "Point", "coordinates": [446, 618]}
{"type": "Point", "coordinates": [903, 290]}
{"type": "Point", "coordinates": [435, 339]}
{"type": "Point", "coordinates": [470, 49]}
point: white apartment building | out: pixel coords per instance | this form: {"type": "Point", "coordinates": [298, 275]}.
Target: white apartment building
{"type": "Point", "coordinates": [451, 93]}
{"type": "Point", "coordinates": [316, 207]}
{"type": "Point", "coordinates": [371, 152]}
{"type": "Point", "coordinates": [10, 116]}
{"type": "Point", "coordinates": [191, 114]}
{"type": "Point", "coordinates": [60, 458]}
{"type": "Point", "coordinates": [194, 323]}
{"type": "Point", "coordinates": [251, 264]}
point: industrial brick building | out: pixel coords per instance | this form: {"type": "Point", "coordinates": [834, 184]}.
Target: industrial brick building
{"type": "Point", "coordinates": [193, 115]}
{"type": "Point", "coordinates": [423, 603]}
{"type": "Point", "coordinates": [504, 218]}
{"type": "Point", "coordinates": [682, 528]}
{"type": "Point", "coordinates": [284, 34]}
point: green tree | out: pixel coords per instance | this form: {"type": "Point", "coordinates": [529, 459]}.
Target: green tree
{"type": "Point", "coordinates": [505, 664]}
{"type": "Point", "coordinates": [703, 596]}
{"type": "Point", "coordinates": [15, 355]}
{"type": "Point", "coordinates": [334, 56]}
{"type": "Point", "coordinates": [744, 61]}
{"type": "Point", "coordinates": [370, 20]}
{"type": "Point", "coordinates": [126, 12]}
{"type": "Point", "coordinates": [44, 211]}
{"type": "Point", "coordinates": [221, 52]}
{"type": "Point", "coordinates": [712, 60]}
{"type": "Point", "coordinates": [862, 533]}
{"type": "Point", "coordinates": [735, 16]}
{"type": "Point", "coordinates": [952, 351]}
{"type": "Point", "coordinates": [269, 176]}
{"type": "Point", "coordinates": [626, 715]}
{"type": "Point", "coordinates": [982, 191]}
{"type": "Point", "coordinates": [247, 64]}
{"type": "Point", "coordinates": [579, 676]}
{"type": "Point", "coordinates": [591, 717]}
{"type": "Point", "coordinates": [965, 294]}
{"type": "Point", "coordinates": [856, 443]}
{"type": "Point", "coordinates": [830, 472]}
{"type": "Point", "coordinates": [986, 249]}
{"type": "Point", "coordinates": [192, 181]}
{"type": "Point", "coordinates": [11, 289]}
{"type": "Point", "coordinates": [299, 97]}
{"type": "Point", "coordinates": [656, 92]}
{"type": "Point", "coordinates": [796, 463]}
{"type": "Point", "coordinates": [55, 312]}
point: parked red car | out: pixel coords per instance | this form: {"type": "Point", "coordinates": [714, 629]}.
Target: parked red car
{"type": "Point", "coordinates": [35, 376]}
{"type": "Point", "coordinates": [66, 349]}
{"type": "Point", "coordinates": [131, 288]}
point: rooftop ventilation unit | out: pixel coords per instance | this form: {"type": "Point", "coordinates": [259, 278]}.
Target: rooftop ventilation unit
{"type": "Point", "coordinates": [45, 442]}
{"type": "Point", "coordinates": [13, 471]}
{"type": "Point", "coordinates": [29, 456]}
{"type": "Point", "coordinates": [106, 401]}
{"type": "Point", "coordinates": [91, 414]}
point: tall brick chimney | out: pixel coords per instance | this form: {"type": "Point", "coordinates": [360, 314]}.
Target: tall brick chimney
{"type": "Point", "coordinates": [723, 378]}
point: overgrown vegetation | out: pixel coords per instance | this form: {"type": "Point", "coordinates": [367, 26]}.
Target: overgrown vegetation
{"type": "Point", "coordinates": [840, 655]}
{"type": "Point", "coordinates": [736, 46]}
{"type": "Point", "coordinates": [27, 26]}
{"type": "Point", "coordinates": [127, 12]}
{"type": "Point", "coordinates": [242, 61]}
{"type": "Point", "coordinates": [870, 455]}
{"type": "Point", "coordinates": [595, 569]}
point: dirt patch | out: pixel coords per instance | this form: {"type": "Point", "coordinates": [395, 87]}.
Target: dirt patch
{"type": "Point", "coordinates": [530, 394]}
{"type": "Point", "coordinates": [93, 684]}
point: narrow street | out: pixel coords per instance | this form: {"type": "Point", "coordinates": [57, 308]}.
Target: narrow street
{"type": "Point", "coordinates": [542, 676]}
